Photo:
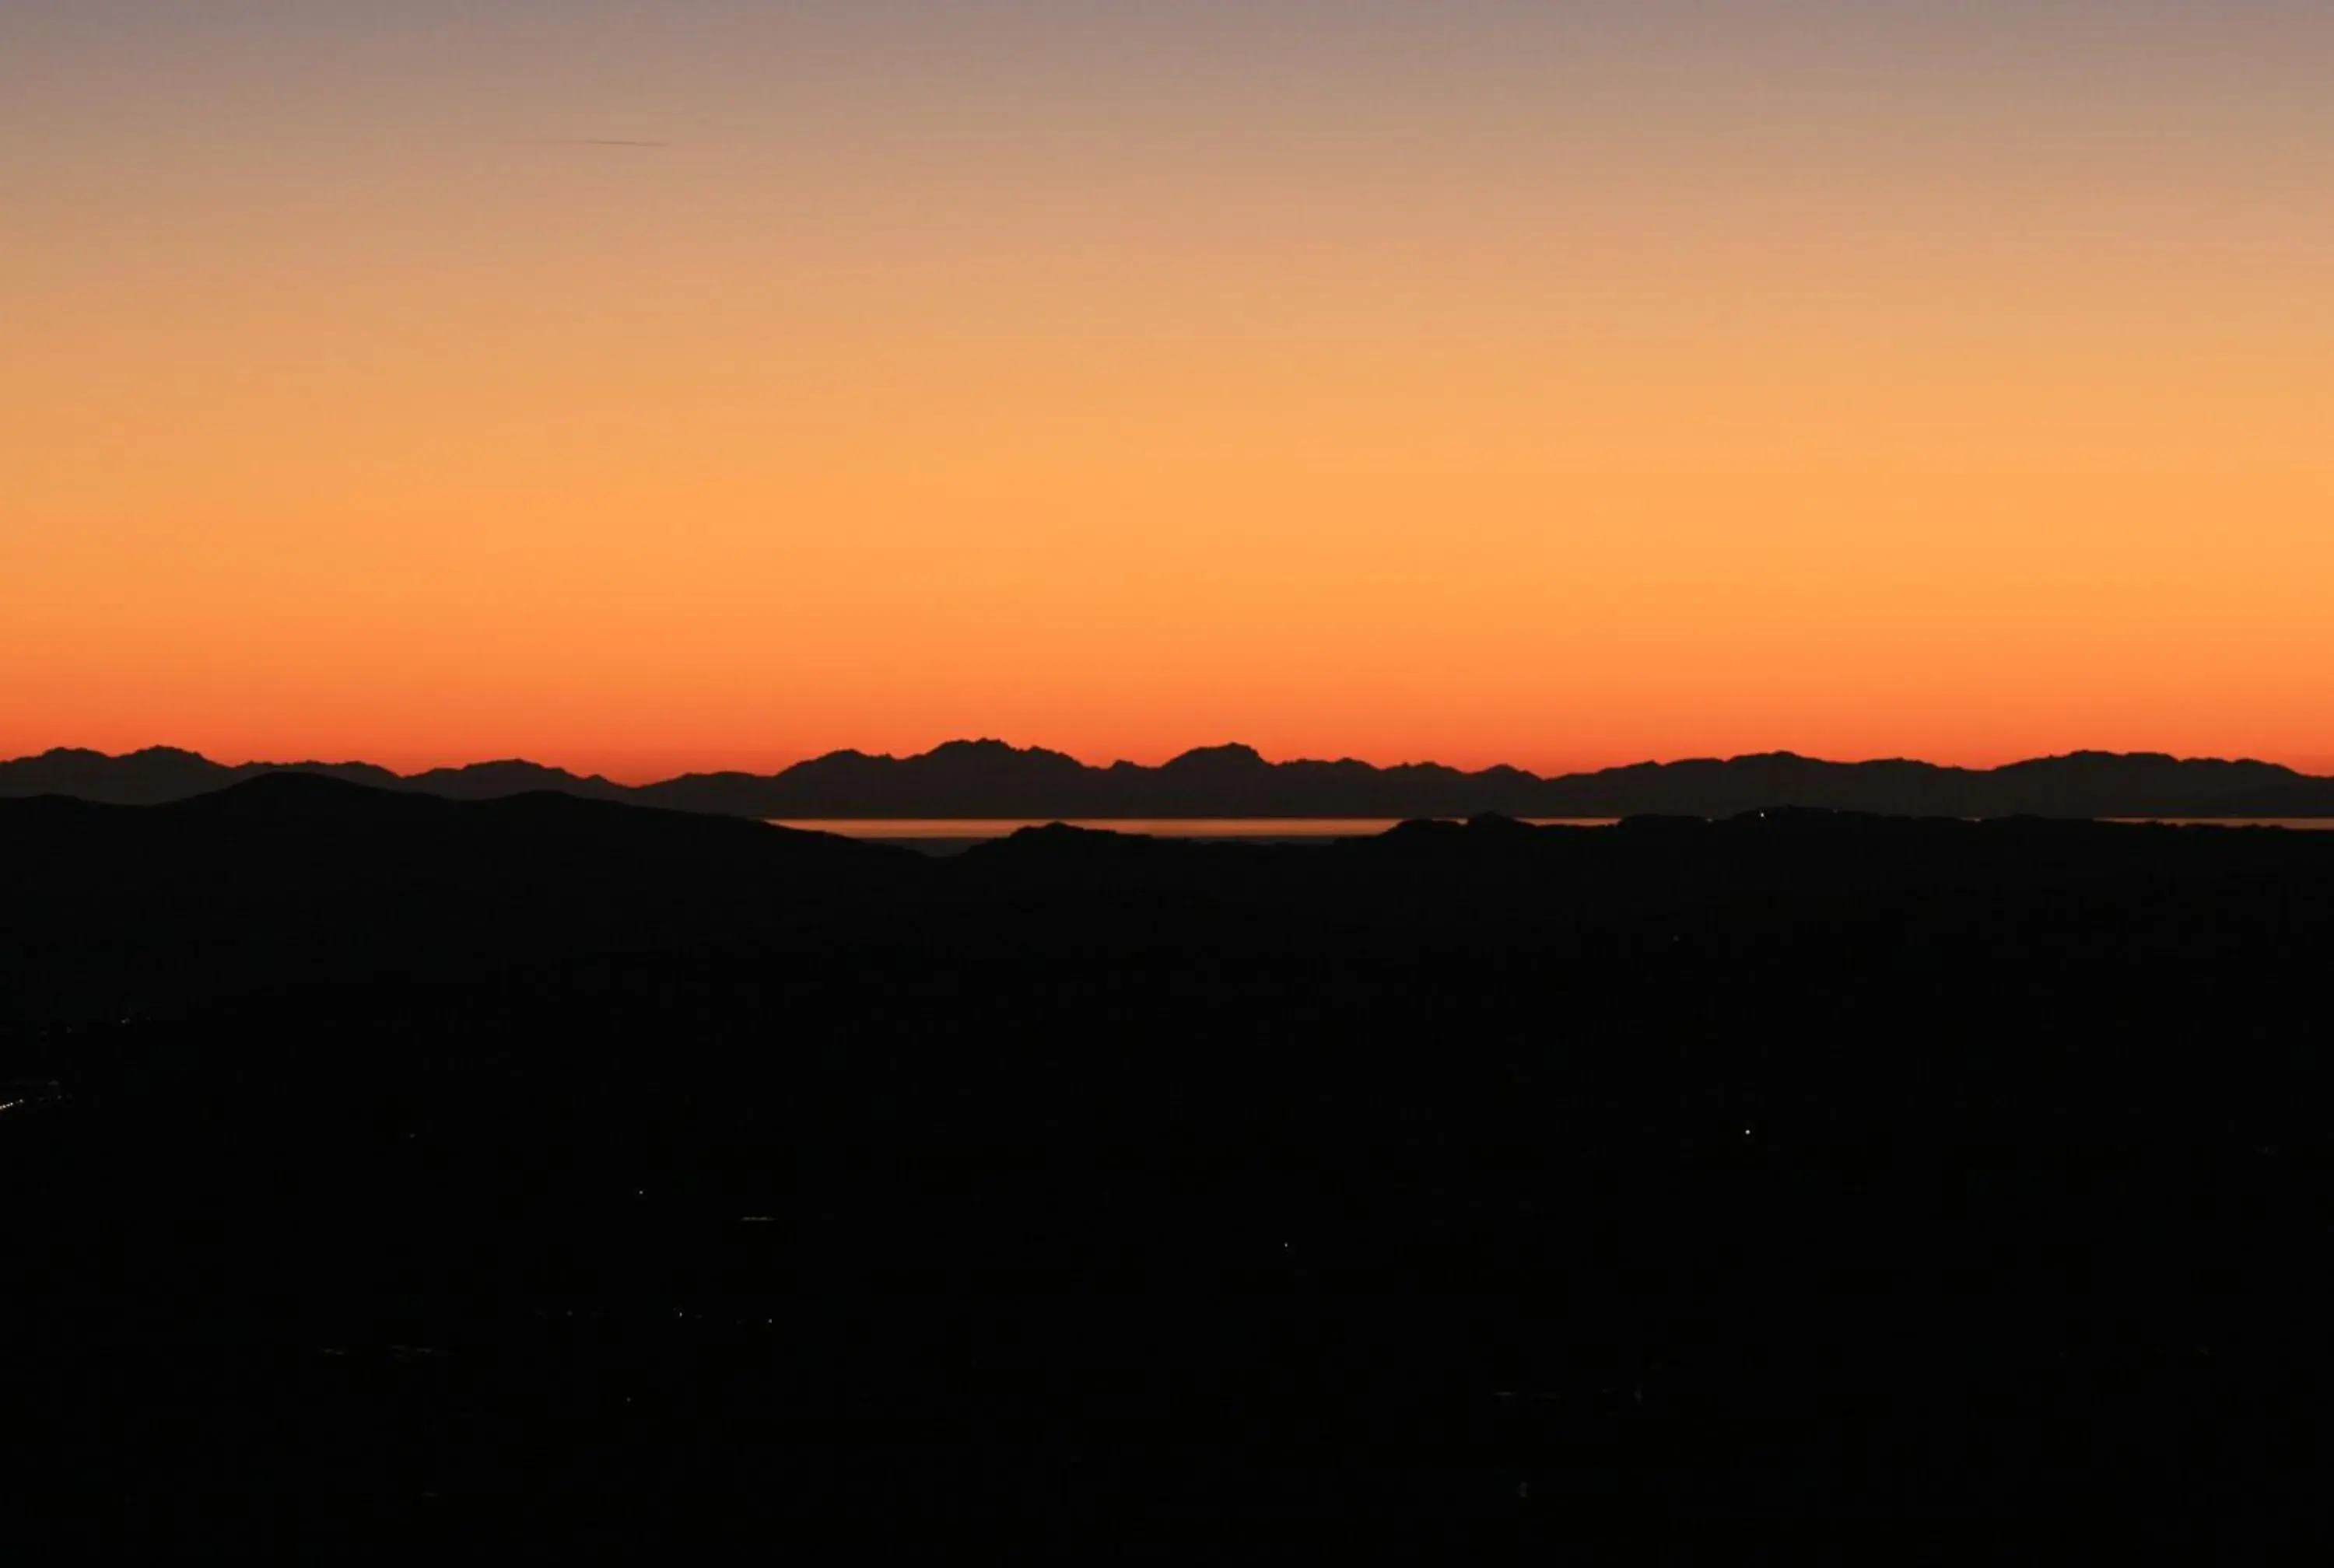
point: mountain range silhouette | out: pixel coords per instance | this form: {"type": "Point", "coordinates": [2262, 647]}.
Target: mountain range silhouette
{"type": "Point", "coordinates": [989, 778]}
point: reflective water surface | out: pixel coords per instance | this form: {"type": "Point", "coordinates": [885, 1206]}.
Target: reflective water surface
{"type": "Point", "coordinates": [928, 830]}
{"type": "Point", "coordinates": [955, 832]}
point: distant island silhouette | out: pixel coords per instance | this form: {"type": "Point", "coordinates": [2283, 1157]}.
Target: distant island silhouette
{"type": "Point", "coordinates": [989, 778]}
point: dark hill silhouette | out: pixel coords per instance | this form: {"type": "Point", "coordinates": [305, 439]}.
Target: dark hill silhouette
{"type": "Point", "coordinates": [1495, 871]}
{"type": "Point", "coordinates": [381, 1166]}
{"type": "Point", "coordinates": [291, 876]}
{"type": "Point", "coordinates": [294, 874]}
{"type": "Point", "coordinates": [988, 778]}
{"type": "Point", "coordinates": [483, 781]}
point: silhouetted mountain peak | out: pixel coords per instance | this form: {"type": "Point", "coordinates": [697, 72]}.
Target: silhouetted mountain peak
{"type": "Point", "coordinates": [503, 768]}
{"type": "Point", "coordinates": [141, 778]}
{"type": "Point", "coordinates": [996, 754]}
{"type": "Point", "coordinates": [1062, 834]}
{"type": "Point", "coordinates": [1230, 759]}
{"type": "Point", "coordinates": [2154, 762]}
{"type": "Point", "coordinates": [514, 776]}
{"type": "Point", "coordinates": [286, 797]}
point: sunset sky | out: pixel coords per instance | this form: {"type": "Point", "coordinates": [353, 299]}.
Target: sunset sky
{"type": "Point", "coordinates": [1520, 381]}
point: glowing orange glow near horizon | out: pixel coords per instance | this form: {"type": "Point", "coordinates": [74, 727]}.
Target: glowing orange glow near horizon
{"type": "Point", "coordinates": [1483, 386]}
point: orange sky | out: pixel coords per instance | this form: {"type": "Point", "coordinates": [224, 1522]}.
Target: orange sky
{"type": "Point", "coordinates": [1483, 382]}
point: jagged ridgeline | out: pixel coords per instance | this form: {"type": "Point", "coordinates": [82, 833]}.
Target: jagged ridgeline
{"type": "Point", "coordinates": [988, 778]}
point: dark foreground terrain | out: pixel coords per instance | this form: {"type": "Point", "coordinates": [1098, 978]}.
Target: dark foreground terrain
{"type": "Point", "coordinates": [384, 1168]}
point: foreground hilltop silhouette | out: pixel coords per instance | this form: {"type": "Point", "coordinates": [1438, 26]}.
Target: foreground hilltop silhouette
{"type": "Point", "coordinates": [988, 778]}
{"type": "Point", "coordinates": [292, 877]}
{"type": "Point", "coordinates": [388, 1168]}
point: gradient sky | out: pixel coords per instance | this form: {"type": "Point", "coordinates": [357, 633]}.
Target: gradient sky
{"type": "Point", "coordinates": [1484, 379]}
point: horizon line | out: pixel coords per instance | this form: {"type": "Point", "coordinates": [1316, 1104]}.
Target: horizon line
{"type": "Point", "coordinates": [644, 782]}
